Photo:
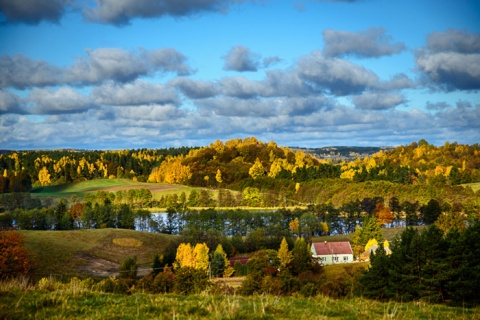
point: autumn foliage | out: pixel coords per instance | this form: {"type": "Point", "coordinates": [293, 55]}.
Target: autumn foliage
{"type": "Point", "coordinates": [14, 258]}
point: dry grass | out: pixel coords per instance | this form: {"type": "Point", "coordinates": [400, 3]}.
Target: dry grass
{"type": "Point", "coordinates": [127, 242]}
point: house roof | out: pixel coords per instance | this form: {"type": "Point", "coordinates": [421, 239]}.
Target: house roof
{"type": "Point", "coordinates": [324, 248]}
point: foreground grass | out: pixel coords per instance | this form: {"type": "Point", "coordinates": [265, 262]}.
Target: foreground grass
{"type": "Point", "coordinates": [77, 301]}
{"type": "Point", "coordinates": [56, 252]}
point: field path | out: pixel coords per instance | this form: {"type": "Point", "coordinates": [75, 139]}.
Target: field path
{"type": "Point", "coordinates": [88, 264]}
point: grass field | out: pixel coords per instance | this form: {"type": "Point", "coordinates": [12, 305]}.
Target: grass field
{"type": "Point", "coordinates": [112, 185]}
{"type": "Point", "coordinates": [80, 300]}
{"type": "Point", "coordinates": [72, 253]}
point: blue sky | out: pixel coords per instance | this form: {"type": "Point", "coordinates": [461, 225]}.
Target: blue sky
{"type": "Point", "coordinates": [108, 74]}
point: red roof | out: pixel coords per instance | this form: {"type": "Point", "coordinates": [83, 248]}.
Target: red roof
{"type": "Point", "coordinates": [324, 248]}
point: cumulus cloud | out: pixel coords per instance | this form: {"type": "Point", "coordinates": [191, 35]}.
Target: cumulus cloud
{"type": "Point", "coordinates": [454, 40]}
{"type": "Point", "coordinates": [10, 103]}
{"type": "Point", "coordinates": [437, 105]}
{"type": "Point", "coordinates": [122, 66]}
{"type": "Point", "coordinates": [263, 108]}
{"type": "Point", "coordinates": [150, 113]}
{"type": "Point", "coordinates": [371, 43]}
{"type": "Point", "coordinates": [451, 61]}
{"type": "Point", "coordinates": [241, 59]}
{"type": "Point", "coordinates": [377, 101]}
{"type": "Point", "coordinates": [33, 11]}
{"type": "Point", "coordinates": [99, 65]}
{"type": "Point", "coordinates": [194, 89]}
{"type": "Point", "coordinates": [398, 81]}
{"type": "Point", "coordinates": [19, 72]}
{"type": "Point", "coordinates": [121, 12]}
{"type": "Point", "coordinates": [63, 100]}
{"type": "Point", "coordinates": [335, 75]}
{"type": "Point", "coordinates": [138, 92]}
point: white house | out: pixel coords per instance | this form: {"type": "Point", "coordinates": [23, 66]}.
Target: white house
{"type": "Point", "coordinates": [332, 252]}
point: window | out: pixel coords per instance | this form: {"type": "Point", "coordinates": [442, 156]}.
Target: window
{"type": "Point", "coordinates": [345, 258]}
{"type": "Point", "coordinates": [335, 259]}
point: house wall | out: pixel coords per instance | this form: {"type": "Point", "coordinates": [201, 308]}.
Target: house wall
{"type": "Point", "coordinates": [335, 259]}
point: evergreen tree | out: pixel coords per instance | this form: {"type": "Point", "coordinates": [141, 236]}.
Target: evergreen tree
{"type": "Point", "coordinates": [301, 257]}
{"type": "Point", "coordinates": [375, 281]}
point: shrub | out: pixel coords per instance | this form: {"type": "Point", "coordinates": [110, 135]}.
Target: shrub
{"type": "Point", "coordinates": [14, 259]}
{"type": "Point", "coordinates": [128, 268]}
{"type": "Point", "coordinates": [189, 280]}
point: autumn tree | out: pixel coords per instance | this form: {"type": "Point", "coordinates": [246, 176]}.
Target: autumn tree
{"type": "Point", "coordinates": [44, 177]}
{"type": "Point", "coordinates": [184, 257]}
{"type": "Point", "coordinates": [257, 170]}
{"type": "Point", "coordinates": [200, 252]}
{"type": "Point", "coordinates": [294, 226]}
{"type": "Point", "coordinates": [14, 259]}
{"type": "Point", "coordinates": [383, 214]}
{"type": "Point", "coordinates": [284, 255]}
{"type": "Point", "coordinates": [218, 176]}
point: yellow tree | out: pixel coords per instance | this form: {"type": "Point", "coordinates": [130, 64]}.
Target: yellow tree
{"type": "Point", "coordinates": [284, 255]}
{"type": "Point", "coordinates": [201, 256]}
{"type": "Point", "coordinates": [275, 168]}
{"type": "Point", "coordinates": [44, 177]}
{"type": "Point", "coordinates": [184, 257]}
{"type": "Point", "coordinates": [293, 225]}
{"type": "Point", "coordinates": [370, 243]}
{"type": "Point", "coordinates": [218, 176]}
{"type": "Point", "coordinates": [257, 170]}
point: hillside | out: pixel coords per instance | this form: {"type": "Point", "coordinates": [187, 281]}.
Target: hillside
{"type": "Point", "coordinates": [92, 252]}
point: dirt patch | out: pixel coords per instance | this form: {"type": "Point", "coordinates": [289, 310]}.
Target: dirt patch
{"type": "Point", "coordinates": [93, 266]}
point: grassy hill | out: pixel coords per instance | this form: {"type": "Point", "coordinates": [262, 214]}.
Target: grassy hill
{"type": "Point", "coordinates": [80, 189]}
{"type": "Point", "coordinates": [92, 252]}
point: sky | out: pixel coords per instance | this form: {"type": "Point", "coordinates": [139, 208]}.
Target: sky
{"type": "Point", "coordinates": [117, 74]}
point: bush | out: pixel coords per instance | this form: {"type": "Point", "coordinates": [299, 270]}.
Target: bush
{"type": "Point", "coordinates": [189, 280]}
{"type": "Point", "coordinates": [128, 268]}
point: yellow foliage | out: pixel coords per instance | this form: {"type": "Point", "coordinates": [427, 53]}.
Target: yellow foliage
{"type": "Point", "coordinates": [386, 244]}
{"type": "Point", "coordinates": [127, 242]}
{"type": "Point", "coordinates": [348, 174]}
{"type": "Point", "coordinates": [256, 170]}
{"type": "Point", "coordinates": [294, 227]}
{"type": "Point", "coordinates": [218, 176]}
{"type": "Point", "coordinates": [200, 252]}
{"type": "Point", "coordinates": [275, 168]}
{"type": "Point", "coordinates": [370, 243]}
{"type": "Point", "coordinates": [284, 255]}
{"type": "Point", "coordinates": [44, 177]}
{"type": "Point", "coordinates": [184, 257]}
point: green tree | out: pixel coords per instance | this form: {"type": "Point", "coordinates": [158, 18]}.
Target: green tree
{"type": "Point", "coordinates": [128, 268]}
{"type": "Point", "coordinates": [217, 265]}
{"type": "Point", "coordinates": [301, 257]}
{"type": "Point", "coordinates": [431, 211]}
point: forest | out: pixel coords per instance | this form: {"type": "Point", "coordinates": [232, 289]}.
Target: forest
{"type": "Point", "coordinates": [255, 200]}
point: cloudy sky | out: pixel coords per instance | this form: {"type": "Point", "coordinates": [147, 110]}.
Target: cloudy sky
{"type": "Point", "coordinates": [110, 74]}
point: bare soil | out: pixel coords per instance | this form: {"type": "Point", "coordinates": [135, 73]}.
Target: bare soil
{"type": "Point", "coordinates": [94, 266]}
